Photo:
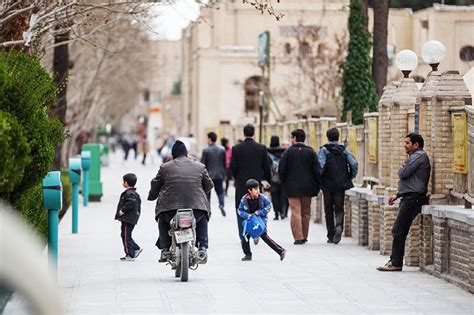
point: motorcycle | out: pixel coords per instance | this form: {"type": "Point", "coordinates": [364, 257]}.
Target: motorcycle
{"type": "Point", "coordinates": [183, 252]}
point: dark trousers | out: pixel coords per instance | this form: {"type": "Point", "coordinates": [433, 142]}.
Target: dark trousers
{"type": "Point", "coordinates": [277, 199]}
{"type": "Point", "coordinates": [333, 207]}
{"type": "Point", "coordinates": [273, 245]}
{"type": "Point", "coordinates": [129, 245]}
{"type": "Point", "coordinates": [409, 208]}
{"type": "Point", "coordinates": [239, 193]}
{"type": "Point", "coordinates": [164, 219]}
{"type": "Point", "coordinates": [219, 189]}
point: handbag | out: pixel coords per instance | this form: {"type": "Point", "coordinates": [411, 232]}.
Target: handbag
{"type": "Point", "coordinates": [253, 227]}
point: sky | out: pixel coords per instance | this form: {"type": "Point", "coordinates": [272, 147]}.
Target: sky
{"type": "Point", "coordinates": [167, 20]}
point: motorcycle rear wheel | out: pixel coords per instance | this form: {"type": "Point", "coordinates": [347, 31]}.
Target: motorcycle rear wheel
{"type": "Point", "coordinates": [184, 264]}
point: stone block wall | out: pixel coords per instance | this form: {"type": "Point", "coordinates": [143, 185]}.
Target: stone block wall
{"type": "Point", "coordinates": [387, 218]}
{"type": "Point", "coordinates": [360, 216]}
{"type": "Point", "coordinates": [413, 244]}
{"type": "Point", "coordinates": [374, 224]}
{"type": "Point", "coordinates": [347, 216]}
{"type": "Point", "coordinates": [448, 244]}
{"type": "Point", "coordinates": [317, 208]}
{"type": "Point", "coordinates": [384, 138]}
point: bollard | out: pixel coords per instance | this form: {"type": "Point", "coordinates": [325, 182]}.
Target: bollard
{"type": "Point", "coordinates": [85, 162]}
{"type": "Point", "coordinates": [53, 201]}
{"type": "Point", "coordinates": [95, 185]}
{"type": "Point", "coordinates": [75, 178]}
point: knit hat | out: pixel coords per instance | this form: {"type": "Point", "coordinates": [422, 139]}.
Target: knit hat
{"type": "Point", "coordinates": [179, 149]}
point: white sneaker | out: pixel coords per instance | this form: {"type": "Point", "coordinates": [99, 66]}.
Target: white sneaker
{"type": "Point", "coordinates": [127, 258]}
{"type": "Point", "coordinates": [138, 252]}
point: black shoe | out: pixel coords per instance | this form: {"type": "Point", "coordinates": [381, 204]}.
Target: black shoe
{"type": "Point", "coordinates": [298, 242]}
{"type": "Point", "coordinates": [165, 255]}
{"type": "Point", "coordinates": [329, 241]}
{"type": "Point", "coordinates": [276, 218]}
{"type": "Point", "coordinates": [247, 258]}
{"type": "Point", "coordinates": [305, 240]}
{"type": "Point", "coordinates": [337, 235]}
{"type": "Point", "coordinates": [222, 210]}
{"type": "Point", "coordinates": [283, 254]}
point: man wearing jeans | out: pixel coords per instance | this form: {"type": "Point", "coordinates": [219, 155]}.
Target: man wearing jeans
{"type": "Point", "coordinates": [414, 176]}
{"type": "Point", "coordinates": [300, 176]}
{"type": "Point", "coordinates": [339, 167]}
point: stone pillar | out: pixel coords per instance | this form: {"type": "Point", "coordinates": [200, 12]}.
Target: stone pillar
{"type": "Point", "coordinates": [387, 218]}
{"type": "Point", "coordinates": [440, 244]}
{"type": "Point", "coordinates": [347, 216]}
{"type": "Point", "coordinates": [384, 143]}
{"type": "Point", "coordinates": [359, 216]}
{"type": "Point", "coordinates": [413, 244]}
{"type": "Point", "coordinates": [374, 222]}
{"type": "Point", "coordinates": [426, 254]}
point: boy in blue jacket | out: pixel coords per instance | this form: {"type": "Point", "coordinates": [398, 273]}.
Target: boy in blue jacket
{"type": "Point", "coordinates": [254, 203]}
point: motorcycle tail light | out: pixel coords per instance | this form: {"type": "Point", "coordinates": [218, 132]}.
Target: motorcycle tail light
{"type": "Point", "coordinates": [185, 221]}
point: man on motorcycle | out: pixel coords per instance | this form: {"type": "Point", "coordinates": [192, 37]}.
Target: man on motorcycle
{"type": "Point", "coordinates": [181, 184]}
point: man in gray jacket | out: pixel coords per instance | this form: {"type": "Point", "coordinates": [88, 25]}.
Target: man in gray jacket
{"type": "Point", "coordinates": [414, 176]}
{"type": "Point", "coordinates": [213, 157]}
{"type": "Point", "coordinates": [180, 184]}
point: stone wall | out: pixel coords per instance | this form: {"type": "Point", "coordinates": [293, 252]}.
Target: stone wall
{"type": "Point", "coordinates": [448, 244]}
{"type": "Point", "coordinates": [347, 216]}
{"type": "Point", "coordinates": [374, 223]}
{"type": "Point", "coordinates": [387, 218]}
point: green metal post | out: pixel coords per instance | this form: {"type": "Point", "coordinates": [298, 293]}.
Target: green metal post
{"type": "Point", "coordinates": [75, 207]}
{"type": "Point", "coordinates": [85, 188]}
{"type": "Point", "coordinates": [53, 237]}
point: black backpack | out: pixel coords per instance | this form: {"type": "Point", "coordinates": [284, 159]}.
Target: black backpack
{"type": "Point", "coordinates": [337, 174]}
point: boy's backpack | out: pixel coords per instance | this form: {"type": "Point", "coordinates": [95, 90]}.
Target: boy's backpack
{"type": "Point", "coordinates": [274, 167]}
{"type": "Point", "coordinates": [254, 227]}
{"type": "Point", "coordinates": [336, 175]}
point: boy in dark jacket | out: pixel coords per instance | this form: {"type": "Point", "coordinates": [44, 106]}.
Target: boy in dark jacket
{"type": "Point", "coordinates": [254, 203]}
{"type": "Point", "coordinates": [128, 212]}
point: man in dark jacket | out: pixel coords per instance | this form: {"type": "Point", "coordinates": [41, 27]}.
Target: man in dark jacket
{"type": "Point", "coordinates": [339, 168]}
{"type": "Point", "coordinates": [181, 184]}
{"type": "Point", "coordinates": [128, 212]}
{"type": "Point", "coordinates": [249, 160]}
{"type": "Point", "coordinates": [300, 175]}
{"type": "Point", "coordinates": [279, 200]}
{"type": "Point", "coordinates": [213, 157]}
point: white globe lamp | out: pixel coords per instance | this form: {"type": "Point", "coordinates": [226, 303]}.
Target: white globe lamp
{"type": "Point", "coordinates": [406, 62]}
{"type": "Point", "coordinates": [432, 53]}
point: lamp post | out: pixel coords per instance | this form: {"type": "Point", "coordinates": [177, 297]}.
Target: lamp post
{"type": "Point", "coordinates": [406, 62]}
{"type": "Point", "coordinates": [260, 108]}
{"type": "Point", "coordinates": [432, 53]}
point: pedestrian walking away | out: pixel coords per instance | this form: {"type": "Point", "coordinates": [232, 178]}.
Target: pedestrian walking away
{"type": "Point", "coordinates": [228, 154]}
{"type": "Point", "coordinates": [299, 172]}
{"type": "Point", "coordinates": [254, 203]}
{"type": "Point", "coordinates": [181, 183]}
{"type": "Point", "coordinates": [249, 160]}
{"type": "Point", "coordinates": [339, 167]}
{"type": "Point", "coordinates": [213, 157]}
{"type": "Point", "coordinates": [128, 213]}
{"type": "Point", "coordinates": [414, 175]}
{"type": "Point", "coordinates": [279, 200]}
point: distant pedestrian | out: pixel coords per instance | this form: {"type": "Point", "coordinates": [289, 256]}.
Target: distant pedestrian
{"type": "Point", "coordinates": [299, 172]}
{"type": "Point", "coordinates": [213, 157]}
{"type": "Point", "coordinates": [249, 160]}
{"type": "Point", "coordinates": [228, 154]}
{"type": "Point", "coordinates": [128, 212]}
{"type": "Point", "coordinates": [414, 176]}
{"type": "Point", "coordinates": [254, 203]}
{"type": "Point", "coordinates": [280, 202]}
{"type": "Point", "coordinates": [339, 167]}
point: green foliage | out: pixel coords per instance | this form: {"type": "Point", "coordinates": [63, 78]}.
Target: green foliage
{"type": "Point", "coordinates": [28, 92]}
{"type": "Point", "coordinates": [30, 205]}
{"type": "Point", "coordinates": [176, 88]}
{"type": "Point", "coordinates": [358, 88]}
{"type": "Point", "coordinates": [14, 155]}
{"type": "Point", "coordinates": [67, 192]}
{"type": "Point", "coordinates": [28, 135]}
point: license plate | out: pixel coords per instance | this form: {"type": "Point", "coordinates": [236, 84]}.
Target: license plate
{"type": "Point", "coordinates": [183, 235]}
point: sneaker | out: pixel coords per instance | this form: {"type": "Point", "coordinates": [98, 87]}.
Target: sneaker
{"type": "Point", "coordinates": [138, 252]}
{"type": "Point", "coordinates": [389, 267]}
{"type": "Point", "coordinates": [247, 258]}
{"type": "Point", "coordinates": [282, 255]}
{"type": "Point", "coordinates": [127, 258]}
{"type": "Point", "coordinates": [256, 240]}
{"type": "Point", "coordinates": [203, 250]}
{"type": "Point", "coordinates": [222, 210]}
{"type": "Point", "coordinates": [165, 255]}
{"type": "Point", "coordinates": [337, 235]}
{"type": "Point", "coordinates": [298, 242]}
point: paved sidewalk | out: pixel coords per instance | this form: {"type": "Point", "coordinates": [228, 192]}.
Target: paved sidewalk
{"type": "Point", "coordinates": [314, 278]}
